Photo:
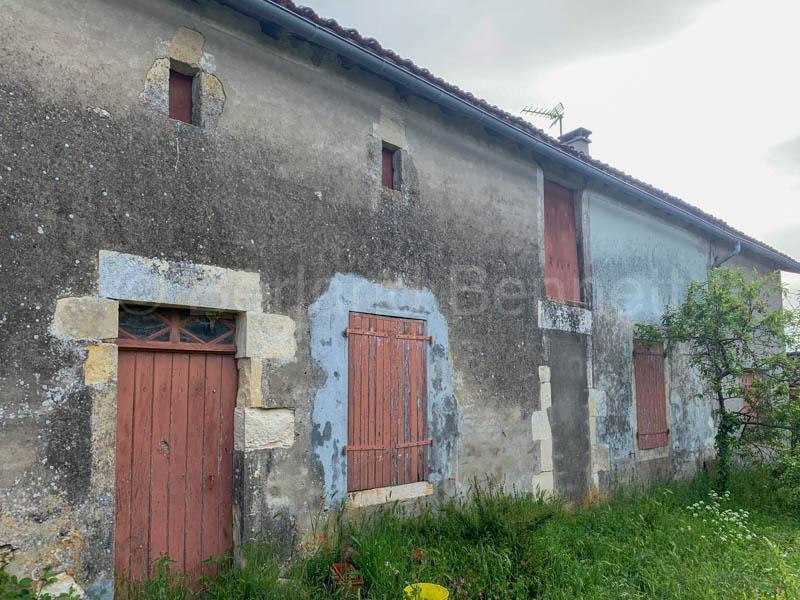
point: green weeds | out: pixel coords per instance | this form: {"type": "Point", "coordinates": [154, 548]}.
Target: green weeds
{"type": "Point", "coordinates": [677, 541]}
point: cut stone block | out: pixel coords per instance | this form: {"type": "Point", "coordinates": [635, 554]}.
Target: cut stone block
{"type": "Point", "coordinates": [249, 393]}
{"type": "Point", "coordinates": [86, 318]}
{"type": "Point", "coordinates": [544, 374]}
{"type": "Point", "coordinates": [267, 336]}
{"type": "Point", "coordinates": [101, 364]}
{"type": "Point", "coordinates": [186, 49]}
{"type": "Point", "coordinates": [262, 428]}
{"type": "Point", "coordinates": [395, 493]}
{"type": "Point", "coordinates": [543, 482]}
{"type": "Point", "coordinates": [540, 426]}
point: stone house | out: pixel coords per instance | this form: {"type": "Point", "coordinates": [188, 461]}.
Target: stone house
{"type": "Point", "coordinates": [254, 265]}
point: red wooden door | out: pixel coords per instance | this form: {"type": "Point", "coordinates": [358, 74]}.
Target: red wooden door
{"type": "Point", "coordinates": [174, 459]}
{"type": "Point", "coordinates": [387, 402]}
{"type": "Point", "coordinates": [561, 273]}
{"type": "Point", "coordinates": [651, 398]}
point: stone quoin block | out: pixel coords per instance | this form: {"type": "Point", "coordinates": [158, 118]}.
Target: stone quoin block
{"type": "Point", "coordinates": [186, 48]}
{"type": "Point", "coordinates": [267, 336]}
{"type": "Point", "coordinates": [544, 374]}
{"type": "Point", "coordinates": [546, 455]}
{"type": "Point", "coordinates": [540, 426]}
{"type": "Point", "coordinates": [85, 318]}
{"type": "Point", "coordinates": [263, 428]}
{"type": "Point", "coordinates": [600, 459]}
{"type": "Point", "coordinates": [249, 393]}
{"type": "Point", "coordinates": [545, 396]}
{"type": "Point", "coordinates": [543, 482]}
{"type": "Point", "coordinates": [101, 364]}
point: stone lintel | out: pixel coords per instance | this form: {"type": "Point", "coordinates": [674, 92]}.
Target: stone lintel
{"type": "Point", "coordinates": [395, 493]}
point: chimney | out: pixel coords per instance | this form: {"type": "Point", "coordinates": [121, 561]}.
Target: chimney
{"type": "Point", "coordinates": [578, 139]}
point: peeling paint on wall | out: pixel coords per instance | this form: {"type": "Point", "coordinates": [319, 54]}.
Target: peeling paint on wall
{"type": "Point", "coordinates": [328, 317]}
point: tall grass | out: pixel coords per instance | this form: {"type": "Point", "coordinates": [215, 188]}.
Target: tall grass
{"type": "Point", "coordinates": [676, 541]}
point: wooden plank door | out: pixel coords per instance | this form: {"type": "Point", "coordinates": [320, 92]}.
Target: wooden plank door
{"type": "Point", "coordinates": [387, 402]}
{"type": "Point", "coordinates": [174, 460]}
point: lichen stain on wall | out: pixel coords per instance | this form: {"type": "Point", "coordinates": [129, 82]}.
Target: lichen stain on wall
{"type": "Point", "coordinates": [328, 318]}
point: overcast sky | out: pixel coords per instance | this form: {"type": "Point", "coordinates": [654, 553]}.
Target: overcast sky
{"type": "Point", "coordinates": [698, 97]}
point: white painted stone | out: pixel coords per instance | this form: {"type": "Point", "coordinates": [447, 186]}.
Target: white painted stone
{"type": "Point", "coordinates": [543, 482]}
{"type": "Point", "coordinates": [540, 426]}
{"type": "Point", "coordinates": [266, 336]}
{"type": "Point", "coordinates": [564, 317]}
{"type": "Point", "coordinates": [62, 584]}
{"type": "Point", "coordinates": [546, 455]}
{"type": "Point", "coordinates": [85, 318]}
{"type": "Point", "coordinates": [544, 374]}
{"type": "Point", "coordinates": [600, 459]}
{"type": "Point", "coordinates": [135, 278]}
{"type": "Point", "coordinates": [545, 396]}
{"type": "Point", "coordinates": [597, 398]}
{"type": "Point", "coordinates": [261, 428]}
{"type": "Point", "coordinates": [592, 430]}
{"type": "Point", "coordinates": [395, 493]}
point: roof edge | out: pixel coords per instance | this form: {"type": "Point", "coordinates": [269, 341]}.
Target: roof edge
{"type": "Point", "coordinates": [422, 83]}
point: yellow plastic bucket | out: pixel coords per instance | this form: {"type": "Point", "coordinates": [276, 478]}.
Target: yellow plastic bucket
{"type": "Point", "coordinates": [426, 591]}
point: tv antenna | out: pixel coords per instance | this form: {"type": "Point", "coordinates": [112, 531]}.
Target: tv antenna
{"type": "Point", "coordinates": [555, 114]}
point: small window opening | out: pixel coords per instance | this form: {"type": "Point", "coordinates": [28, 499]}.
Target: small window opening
{"type": "Point", "coordinates": [387, 167]}
{"type": "Point", "coordinates": [180, 96]}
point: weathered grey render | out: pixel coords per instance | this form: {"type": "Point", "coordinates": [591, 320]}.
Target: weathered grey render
{"type": "Point", "coordinates": [271, 206]}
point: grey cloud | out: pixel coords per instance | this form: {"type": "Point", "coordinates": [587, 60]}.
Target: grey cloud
{"type": "Point", "coordinates": [786, 156]}
{"type": "Point", "coordinates": [785, 239]}
{"type": "Point", "coordinates": [488, 46]}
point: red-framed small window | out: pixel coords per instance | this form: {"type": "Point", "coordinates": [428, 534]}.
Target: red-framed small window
{"type": "Point", "coordinates": [387, 167]}
{"type": "Point", "coordinates": [651, 395]}
{"type": "Point", "coordinates": [561, 270]}
{"type": "Point", "coordinates": [180, 96]}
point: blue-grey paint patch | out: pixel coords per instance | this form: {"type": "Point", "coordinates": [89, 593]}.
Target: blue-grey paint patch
{"type": "Point", "coordinates": [640, 265]}
{"type": "Point", "coordinates": [328, 317]}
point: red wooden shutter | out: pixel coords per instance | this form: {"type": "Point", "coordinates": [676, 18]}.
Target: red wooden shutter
{"type": "Point", "coordinates": [748, 377]}
{"type": "Point", "coordinates": [562, 280]}
{"type": "Point", "coordinates": [387, 168]}
{"type": "Point", "coordinates": [387, 402]}
{"type": "Point", "coordinates": [180, 96]}
{"type": "Point", "coordinates": [651, 400]}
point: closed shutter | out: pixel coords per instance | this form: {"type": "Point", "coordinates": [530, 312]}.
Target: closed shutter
{"type": "Point", "coordinates": [562, 278]}
{"type": "Point", "coordinates": [651, 401]}
{"type": "Point", "coordinates": [387, 402]}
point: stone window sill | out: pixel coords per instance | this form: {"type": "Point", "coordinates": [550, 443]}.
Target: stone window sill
{"type": "Point", "coordinates": [395, 493]}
